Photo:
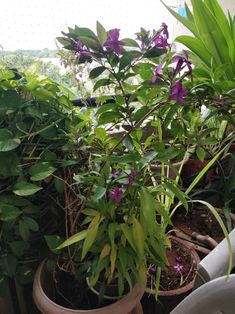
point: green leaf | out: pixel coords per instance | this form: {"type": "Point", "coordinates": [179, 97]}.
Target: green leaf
{"type": "Point", "coordinates": [130, 42]}
{"type": "Point", "coordinates": [59, 185]}
{"type": "Point", "coordinates": [99, 192]}
{"type": "Point", "coordinates": [108, 117]}
{"type": "Point", "coordinates": [41, 171]}
{"type": "Point", "coordinates": [24, 230]}
{"type": "Point", "coordinates": [138, 235]}
{"type": "Point", "coordinates": [73, 239]}
{"type": "Point", "coordinates": [89, 240]}
{"type": "Point", "coordinates": [53, 242]}
{"type": "Point", "coordinates": [101, 134]}
{"type": "Point", "coordinates": [148, 211]}
{"type": "Point", "coordinates": [179, 194]}
{"type": "Point", "coordinates": [196, 46]}
{"type": "Point", "coordinates": [101, 32]}
{"type": "Point", "coordinates": [31, 223]}
{"type": "Point", "coordinates": [155, 52]}
{"type": "Point", "coordinates": [200, 152]}
{"type": "Point", "coordinates": [128, 234]}
{"type": "Point", "coordinates": [10, 100]}
{"type": "Point", "coordinates": [9, 212]}
{"type": "Point", "coordinates": [113, 255]}
{"type": "Point", "coordinates": [90, 42]}
{"type": "Point", "coordinates": [25, 189]}
{"type": "Point", "coordinates": [9, 164]}
{"type": "Point", "coordinates": [18, 247]}
{"type": "Point", "coordinates": [105, 108]}
{"type": "Point", "coordinates": [204, 170]}
{"type": "Point", "coordinates": [7, 141]}
{"type": "Point", "coordinates": [84, 31]}
{"type": "Point", "coordinates": [102, 82]}
{"type": "Point", "coordinates": [63, 41]}
{"type": "Point", "coordinates": [127, 58]}
{"type": "Point", "coordinates": [96, 72]}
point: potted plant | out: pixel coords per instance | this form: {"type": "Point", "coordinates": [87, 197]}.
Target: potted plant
{"type": "Point", "coordinates": [116, 212]}
{"type": "Point", "coordinates": [35, 128]}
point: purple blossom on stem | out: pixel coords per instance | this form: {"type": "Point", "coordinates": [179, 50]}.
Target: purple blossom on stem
{"type": "Point", "coordinates": [182, 62]}
{"type": "Point", "coordinates": [132, 177]}
{"type": "Point", "coordinates": [161, 42]}
{"type": "Point", "coordinates": [114, 174]}
{"type": "Point", "coordinates": [81, 51]}
{"type": "Point", "coordinates": [157, 72]}
{"type": "Point", "coordinates": [152, 270]}
{"type": "Point", "coordinates": [116, 194]}
{"type": "Point", "coordinates": [113, 42]}
{"type": "Point", "coordinates": [178, 267]}
{"type": "Point", "coordinates": [178, 258]}
{"type": "Point", "coordinates": [178, 92]}
{"type": "Point", "coordinates": [165, 30]}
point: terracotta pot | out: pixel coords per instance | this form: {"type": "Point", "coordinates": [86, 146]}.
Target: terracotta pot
{"type": "Point", "coordinates": [129, 304]}
{"type": "Point", "coordinates": [167, 300]}
{"type": "Point", "coordinates": [195, 227]}
{"type": "Point", "coordinates": [191, 169]}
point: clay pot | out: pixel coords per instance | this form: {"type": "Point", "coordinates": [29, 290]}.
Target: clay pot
{"type": "Point", "coordinates": [167, 300]}
{"type": "Point", "coordinates": [128, 304]}
{"type": "Point", "coordinates": [196, 227]}
{"type": "Point", "coordinates": [191, 169]}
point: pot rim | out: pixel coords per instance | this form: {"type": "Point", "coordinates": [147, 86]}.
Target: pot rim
{"type": "Point", "coordinates": [183, 289]}
{"type": "Point", "coordinates": [136, 292]}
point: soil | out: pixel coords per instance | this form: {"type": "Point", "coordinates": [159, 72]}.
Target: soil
{"type": "Point", "coordinates": [200, 220]}
{"type": "Point", "coordinates": [181, 270]}
{"type": "Point", "coordinates": [74, 293]}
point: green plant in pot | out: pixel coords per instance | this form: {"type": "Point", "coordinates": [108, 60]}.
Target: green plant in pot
{"type": "Point", "coordinates": [107, 231]}
{"type": "Point", "coordinates": [110, 229]}
{"type": "Point", "coordinates": [34, 133]}
{"type": "Point", "coordinates": [116, 212]}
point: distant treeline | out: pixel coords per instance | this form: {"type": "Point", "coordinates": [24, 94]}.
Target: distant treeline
{"type": "Point", "coordinates": [45, 53]}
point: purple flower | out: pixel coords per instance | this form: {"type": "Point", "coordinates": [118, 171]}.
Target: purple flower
{"type": "Point", "coordinates": [81, 51]}
{"type": "Point", "coordinates": [165, 30]}
{"type": "Point", "coordinates": [178, 267]}
{"type": "Point", "coordinates": [161, 42]}
{"type": "Point", "coordinates": [152, 270]}
{"type": "Point", "coordinates": [178, 258]}
{"type": "Point", "coordinates": [178, 92]}
{"type": "Point", "coordinates": [116, 194]}
{"type": "Point", "coordinates": [132, 177]}
{"type": "Point", "coordinates": [182, 62]}
{"type": "Point", "coordinates": [157, 72]}
{"type": "Point", "coordinates": [114, 174]}
{"type": "Point", "coordinates": [113, 42]}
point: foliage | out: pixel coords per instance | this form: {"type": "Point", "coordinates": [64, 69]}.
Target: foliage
{"type": "Point", "coordinates": [214, 36]}
{"type": "Point", "coordinates": [35, 135]}
{"type": "Point", "coordinates": [39, 62]}
{"type": "Point", "coordinates": [125, 207]}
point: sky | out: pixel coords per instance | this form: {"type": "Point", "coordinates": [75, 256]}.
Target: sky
{"type": "Point", "coordinates": [34, 24]}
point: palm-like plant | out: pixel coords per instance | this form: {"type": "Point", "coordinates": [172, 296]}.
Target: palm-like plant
{"type": "Point", "coordinates": [213, 35]}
